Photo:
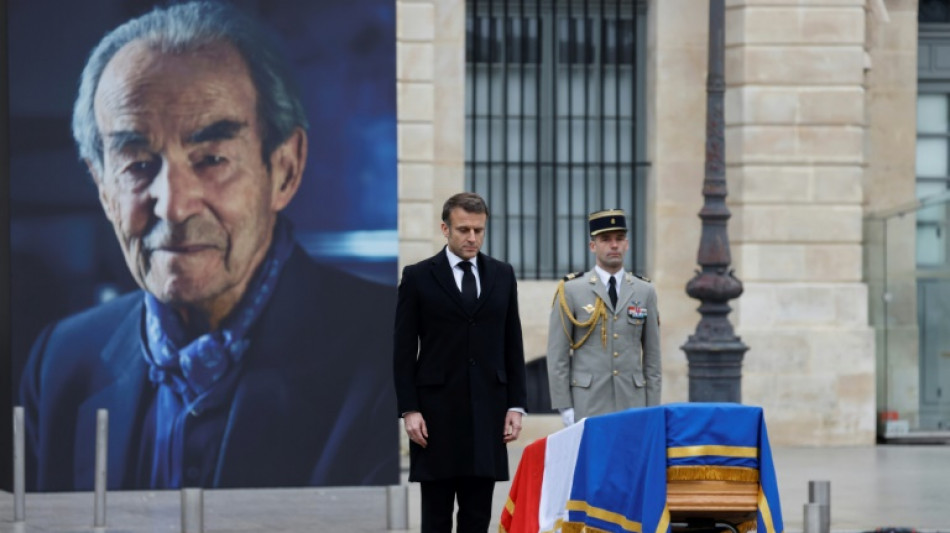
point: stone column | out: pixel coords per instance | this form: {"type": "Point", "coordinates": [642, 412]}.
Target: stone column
{"type": "Point", "coordinates": [795, 150]}
{"type": "Point", "coordinates": [430, 39]}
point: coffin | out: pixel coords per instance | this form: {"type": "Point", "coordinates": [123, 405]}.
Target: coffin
{"type": "Point", "coordinates": [649, 470]}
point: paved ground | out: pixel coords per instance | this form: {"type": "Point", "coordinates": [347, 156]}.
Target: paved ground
{"type": "Point", "coordinates": [871, 487]}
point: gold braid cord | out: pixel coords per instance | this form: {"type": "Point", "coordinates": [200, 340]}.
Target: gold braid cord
{"type": "Point", "coordinates": [600, 313]}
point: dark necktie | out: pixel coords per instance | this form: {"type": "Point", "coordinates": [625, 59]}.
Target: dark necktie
{"type": "Point", "coordinates": [612, 291]}
{"type": "Point", "coordinates": [469, 291]}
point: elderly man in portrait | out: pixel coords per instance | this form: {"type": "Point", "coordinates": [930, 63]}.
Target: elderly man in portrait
{"type": "Point", "coordinates": [240, 362]}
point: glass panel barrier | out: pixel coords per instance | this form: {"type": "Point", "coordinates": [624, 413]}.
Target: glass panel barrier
{"type": "Point", "coordinates": [908, 275]}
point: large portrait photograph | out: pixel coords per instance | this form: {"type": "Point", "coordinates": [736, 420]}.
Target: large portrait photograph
{"type": "Point", "coordinates": [203, 241]}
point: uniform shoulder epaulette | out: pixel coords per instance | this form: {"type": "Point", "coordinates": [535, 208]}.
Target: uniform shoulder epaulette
{"type": "Point", "coordinates": [573, 275]}
{"type": "Point", "coordinates": [644, 278]}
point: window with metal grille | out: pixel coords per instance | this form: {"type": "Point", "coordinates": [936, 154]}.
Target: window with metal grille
{"type": "Point", "coordinates": [933, 138]}
{"type": "Point", "coordinates": [933, 178]}
{"type": "Point", "coordinates": [933, 11]}
{"type": "Point", "coordinates": [554, 127]}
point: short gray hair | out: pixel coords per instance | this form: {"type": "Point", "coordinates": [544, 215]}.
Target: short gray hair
{"type": "Point", "coordinates": [186, 27]}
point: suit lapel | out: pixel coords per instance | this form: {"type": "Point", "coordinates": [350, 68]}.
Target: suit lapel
{"type": "Point", "coordinates": [627, 291]}
{"type": "Point", "coordinates": [296, 413]}
{"type": "Point", "coordinates": [599, 289]}
{"type": "Point", "coordinates": [251, 435]}
{"type": "Point", "coordinates": [272, 433]}
{"type": "Point", "coordinates": [442, 272]}
{"type": "Point", "coordinates": [123, 397]}
{"type": "Point", "coordinates": [487, 275]}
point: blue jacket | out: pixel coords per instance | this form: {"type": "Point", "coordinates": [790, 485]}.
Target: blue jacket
{"type": "Point", "coordinates": [313, 404]}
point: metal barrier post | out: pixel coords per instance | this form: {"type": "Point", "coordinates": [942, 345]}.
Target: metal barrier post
{"type": "Point", "coordinates": [102, 454]}
{"type": "Point", "coordinates": [397, 507]}
{"type": "Point", "coordinates": [819, 492]}
{"type": "Point", "coordinates": [192, 511]}
{"type": "Point", "coordinates": [19, 468]}
{"type": "Point", "coordinates": [812, 521]}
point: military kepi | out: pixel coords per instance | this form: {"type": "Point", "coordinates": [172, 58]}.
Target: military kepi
{"type": "Point", "coordinates": [607, 220]}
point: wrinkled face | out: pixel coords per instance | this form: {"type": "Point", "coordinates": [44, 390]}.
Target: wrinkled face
{"type": "Point", "coordinates": [183, 181]}
{"type": "Point", "coordinates": [465, 232]}
{"type": "Point", "coordinates": [609, 248]}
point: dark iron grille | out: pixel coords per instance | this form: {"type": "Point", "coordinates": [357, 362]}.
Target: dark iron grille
{"type": "Point", "coordinates": [552, 132]}
{"type": "Point", "coordinates": [933, 11]}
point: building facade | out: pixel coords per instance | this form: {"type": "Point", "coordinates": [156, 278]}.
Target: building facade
{"type": "Point", "coordinates": [823, 149]}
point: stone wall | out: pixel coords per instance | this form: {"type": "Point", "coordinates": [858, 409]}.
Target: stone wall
{"type": "Point", "coordinates": [819, 116]}
{"type": "Point", "coordinates": [795, 134]}
{"type": "Point", "coordinates": [430, 88]}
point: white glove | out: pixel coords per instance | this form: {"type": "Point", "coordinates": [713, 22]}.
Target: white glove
{"type": "Point", "coordinates": [567, 416]}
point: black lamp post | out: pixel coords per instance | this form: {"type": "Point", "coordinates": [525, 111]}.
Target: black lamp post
{"type": "Point", "coordinates": [715, 352]}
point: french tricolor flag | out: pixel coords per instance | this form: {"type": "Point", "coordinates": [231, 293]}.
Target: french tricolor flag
{"type": "Point", "coordinates": [542, 483]}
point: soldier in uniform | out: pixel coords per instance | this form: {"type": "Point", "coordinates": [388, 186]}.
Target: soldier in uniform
{"type": "Point", "coordinates": [603, 338]}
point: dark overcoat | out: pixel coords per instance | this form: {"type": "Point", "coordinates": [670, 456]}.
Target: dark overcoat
{"type": "Point", "coordinates": [461, 368]}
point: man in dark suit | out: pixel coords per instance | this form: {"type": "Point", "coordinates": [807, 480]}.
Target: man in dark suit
{"type": "Point", "coordinates": [459, 370]}
{"type": "Point", "coordinates": [240, 362]}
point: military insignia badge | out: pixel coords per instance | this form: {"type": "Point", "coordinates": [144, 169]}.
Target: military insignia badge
{"type": "Point", "coordinates": [589, 308]}
{"type": "Point", "coordinates": [636, 312]}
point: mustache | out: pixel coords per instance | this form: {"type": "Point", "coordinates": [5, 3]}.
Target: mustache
{"type": "Point", "coordinates": [192, 232]}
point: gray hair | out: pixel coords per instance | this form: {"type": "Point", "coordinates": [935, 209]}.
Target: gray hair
{"type": "Point", "coordinates": [187, 27]}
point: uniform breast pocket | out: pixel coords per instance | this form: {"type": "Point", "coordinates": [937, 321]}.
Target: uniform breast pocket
{"type": "Point", "coordinates": [636, 315]}
{"type": "Point", "coordinates": [581, 379]}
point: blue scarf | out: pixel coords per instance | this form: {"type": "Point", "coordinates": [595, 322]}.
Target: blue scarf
{"type": "Point", "coordinates": [192, 368]}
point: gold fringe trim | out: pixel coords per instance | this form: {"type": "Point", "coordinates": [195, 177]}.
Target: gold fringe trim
{"type": "Point", "coordinates": [745, 527]}
{"type": "Point", "coordinates": [600, 313]}
{"type": "Point", "coordinates": [712, 473]}
{"type": "Point", "coordinates": [577, 527]}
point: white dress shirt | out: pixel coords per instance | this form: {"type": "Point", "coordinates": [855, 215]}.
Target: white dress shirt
{"type": "Point", "coordinates": [457, 271]}
{"type": "Point", "coordinates": [605, 277]}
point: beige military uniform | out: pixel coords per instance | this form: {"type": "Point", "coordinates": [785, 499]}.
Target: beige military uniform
{"type": "Point", "coordinates": [603, 359]}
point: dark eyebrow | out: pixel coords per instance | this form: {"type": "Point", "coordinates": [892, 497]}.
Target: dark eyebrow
{"type": "Point", "coordinates": [124, 139]}
{"type": "Point", "coordinates": [221, 130]}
